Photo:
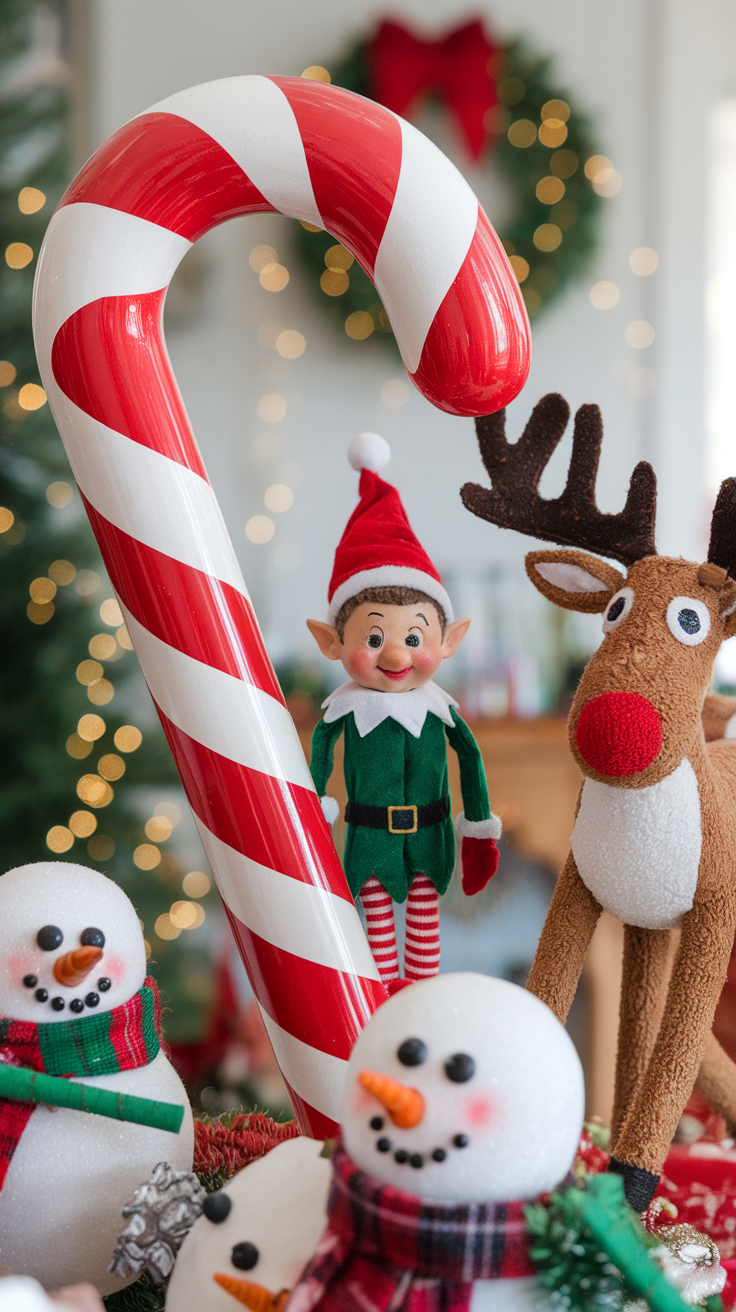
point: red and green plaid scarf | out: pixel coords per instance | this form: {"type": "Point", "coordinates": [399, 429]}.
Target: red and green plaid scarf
{"type": "Point", "coordinates": [386, 1249]}
{"type": "Point", "coordinates": [119, 1040]}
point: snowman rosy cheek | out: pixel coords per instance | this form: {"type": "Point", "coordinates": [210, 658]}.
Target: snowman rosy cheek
{"type": "Point", "coordinates": [480, 1110]}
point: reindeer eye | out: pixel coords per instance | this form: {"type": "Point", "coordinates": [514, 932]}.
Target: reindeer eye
{"type": "Point", "coordinates": [688, 620]}
{"type": "Point", "coordinates": [617, 609]}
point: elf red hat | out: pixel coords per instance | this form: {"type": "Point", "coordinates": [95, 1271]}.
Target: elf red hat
{"type": "Point", "coordinates": [378, 548]}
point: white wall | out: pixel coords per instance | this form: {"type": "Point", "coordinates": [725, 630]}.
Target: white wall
{"type": "Point", "coordinates": [647, 72]}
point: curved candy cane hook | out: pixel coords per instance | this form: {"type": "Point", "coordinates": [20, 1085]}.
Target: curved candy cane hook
{"type": "Point", "coordinates": [241, 146]}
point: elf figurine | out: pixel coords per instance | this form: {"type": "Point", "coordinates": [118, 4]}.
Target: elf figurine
{"type": "Point", "coordinates": [390, 622]}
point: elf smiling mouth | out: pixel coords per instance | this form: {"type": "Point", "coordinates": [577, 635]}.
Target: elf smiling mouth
{"type": "Point", "coordinates": [395, 674]}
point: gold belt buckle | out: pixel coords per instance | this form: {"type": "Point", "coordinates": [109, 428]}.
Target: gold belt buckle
{"type": "Point", "coordinates": [391, 829]}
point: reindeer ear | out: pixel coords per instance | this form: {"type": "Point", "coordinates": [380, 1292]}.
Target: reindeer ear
{"type": "Point", "coordinates": [573, 579]}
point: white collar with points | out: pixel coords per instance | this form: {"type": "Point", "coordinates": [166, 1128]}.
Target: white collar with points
{"type": "Point", "coordinates": [371, 707]}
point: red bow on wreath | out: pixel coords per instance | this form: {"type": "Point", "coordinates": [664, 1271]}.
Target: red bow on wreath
{"type": "Point", "coordinates": [403, 65]}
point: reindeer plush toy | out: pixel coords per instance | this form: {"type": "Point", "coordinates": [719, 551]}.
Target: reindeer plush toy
{"type": "Point", "coordinates": [654, 841]}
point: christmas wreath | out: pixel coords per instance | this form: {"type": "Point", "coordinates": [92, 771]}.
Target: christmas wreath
{"type": "Point", "coordinates": [509, 109]}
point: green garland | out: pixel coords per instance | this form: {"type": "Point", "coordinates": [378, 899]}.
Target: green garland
{"type": "Point", "coordinates": [524, 87]}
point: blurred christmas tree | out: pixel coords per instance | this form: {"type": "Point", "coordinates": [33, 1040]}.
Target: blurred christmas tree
{"type": "Point", "coordinates": [75, 773]}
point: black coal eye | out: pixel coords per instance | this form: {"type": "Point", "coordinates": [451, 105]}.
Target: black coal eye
{"type": "Point", "coordinates": [92, 938]}
{"type": "Point", "coordinates": [216, 1207]}
{"type": "Point", "coordinates": [460, 1068]}
{"type": "Point", "coordinates": [375, 640]}
{"type": "Point", "coordinates": [689, 620]}
{"type": "Point", "coordinates": [412, 640]}
{"type": "Point", "coordinates": [412, 1052]}
{"type": "Point", "coordinates": [615, 610]}
{"type": "Point", "coordinates": [244, 1256]}
{"type": "Point", "coordinates": [49, 937]}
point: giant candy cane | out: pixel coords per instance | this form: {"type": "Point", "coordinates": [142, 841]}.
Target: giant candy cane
{"type": "Point", "coordinates": [317, 153]}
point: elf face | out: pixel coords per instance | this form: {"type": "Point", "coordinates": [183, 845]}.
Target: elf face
{"type": "Point", "coordinates": [390, 648]}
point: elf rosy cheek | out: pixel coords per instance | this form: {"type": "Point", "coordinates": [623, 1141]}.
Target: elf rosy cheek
{"type": "Point", "coordinates": [362, 661]}
{"type": "Point", "coordinates": [427, 661]}
{"type": "Point", "coordinates": [481, 1110]}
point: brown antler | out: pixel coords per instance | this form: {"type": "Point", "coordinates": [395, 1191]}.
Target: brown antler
{"type": "Point", "coordinates": [722, 548]}
{"type": "Point", "coordinates": [573, 519]}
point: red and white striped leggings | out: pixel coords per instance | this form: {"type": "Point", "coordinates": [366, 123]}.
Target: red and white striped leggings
{"type": "Point", "coordinates": [422, 945]}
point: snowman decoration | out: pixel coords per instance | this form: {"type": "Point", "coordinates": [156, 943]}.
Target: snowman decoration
{"type": "Point", "coordinates": [255, 1235]}
{"type": "Point", "coordinates": [74, 1002]}
{"type": "Point", "coordinates": [464, 1099]}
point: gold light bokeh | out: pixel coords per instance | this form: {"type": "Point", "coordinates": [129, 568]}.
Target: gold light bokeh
{"type": "Point", "coordinates": [158, 828]}
{"type": "Point", "coordinates": [110, 612]}
{"type": "Point", "coordinates": [59, 494]}
{"type": "Point", "coordinates": [260, 529]}
{"type": "Point", "coordinates": [164, 929]}
{"type": "Point", "coordinates": [7, 519]}
{"type": "Point", "coordinates": [522, 133]}
{"type": "Point", "coordinates": [8, 373]}
{"type": "Point", "coordinates": [78, 747]}
{"type": "Point", "coordinates": [18, 254]}
{"type": "Point", "coordinates": [91, 727]}
{"type": "Point", "coordinates": [87, 582]}
{"type": "Point", "coordinates": [31, 200]}
{"type": "Point", "coordinates": [83, 824]}
{"type": "Point", "coordinates": [94, 791]}
{"type": "Point", "coordinates": [520, 267]}
{"type": "Point", "coordinates": [260, 256]}
{"type": "Point", "coordinates": [147, 857]}
{"type": "Point", "coordinates": [59, 838]}
{"type": "Point", "coordinates": [549, 190]}
{"type": "Point", "coordinates": [604, 295]}
{"type": "Point", "coordinates": [564, 163]}
{"type": "Point", "coordinates": [128, 738]}
{"type": "Point", "coordinates": [359, 325]}
{"type": "Point", "coordinates": [553, 132]}
{"type": "Point", "coordinates": [184, 914]}
{"type": "Point", "coordinates": [273, 277]}
{"type": "Point", "coordinates": [31, 397]}
{"type": "Point", "coordinates": [290, 344]}
{"type": "Point", "coordinates": [196, 883]}
{"type": "Point", "coordinates": [278, 498]}
{"type": "Point", "coordinates": [89, 672]}
{"type": "Point", "coordinates": [334, 282]}
{"type": "Point", "coordinates": [101, 692]}
{"type": "Point", "coordinates": [316, 73]}
{"type": "Point", "coordinates": [101, 847]}
{"type": "Point", "coordinates": [124, 639]}
{"type": "Point", "coordinates": [102, 646]}
{"type": "Point", "coordinates": [555, 109]}
{"type": "Point", "coordinates": [111, 766]}
{"type": "Point", "coordinates": [271, 408]}
{"type": "Point", "coordinates": [643, 261]}
{"type": "Point", "coordinates": [639, 335]}
{"type": "Point", "coordinates": [62, 572]}
{"type": "Point", "coordinates": [40, 614]}
{"type": "Point", "coordinates": [42, 590]}
{"type": "Point", "coordinates": [337, 257]}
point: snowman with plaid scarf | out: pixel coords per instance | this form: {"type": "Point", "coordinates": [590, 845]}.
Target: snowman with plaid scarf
{"type": "Point", "coordinates": [75, 1002]}
{"type": "Point", "coordinates": [463, 1101]}
{"type": "Point", "coordinates": [390, 623]}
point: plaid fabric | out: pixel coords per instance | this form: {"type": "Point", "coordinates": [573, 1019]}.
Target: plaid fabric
{"type": "Point", "coordinates": [384, 1249]}
{"type": "Point", "coordinates": [119, 1040]}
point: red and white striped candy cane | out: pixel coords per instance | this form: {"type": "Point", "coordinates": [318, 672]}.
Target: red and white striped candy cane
{"type": "Point", "coordinates": [313, 152]}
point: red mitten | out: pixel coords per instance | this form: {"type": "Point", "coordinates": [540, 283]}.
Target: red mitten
{"type": "Point", "coordinates": [479, 862]}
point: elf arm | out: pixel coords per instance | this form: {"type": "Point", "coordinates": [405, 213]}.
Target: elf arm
{"type": "Point", "coordinates": [476, 828]}
{"type": "Point", "coordinates": [323, 746]}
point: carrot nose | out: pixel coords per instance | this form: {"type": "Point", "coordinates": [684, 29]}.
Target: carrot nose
{"type": "Point", "coordinates": [256, 1297]}
{"type": "Point", "coordinates": [75, 966]}
{"type": "Point", "coordinates": [405, 1106]}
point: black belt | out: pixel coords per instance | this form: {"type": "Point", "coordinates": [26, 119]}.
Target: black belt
{"type": "Point", "coordinates": [398, 819]}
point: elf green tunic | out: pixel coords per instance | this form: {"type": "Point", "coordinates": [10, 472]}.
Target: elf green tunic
{"type": "Point", "coordinates": [396, 755]}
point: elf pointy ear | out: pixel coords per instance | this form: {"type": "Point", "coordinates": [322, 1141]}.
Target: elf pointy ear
{"type": "Point", "coordinates": [573, 579]}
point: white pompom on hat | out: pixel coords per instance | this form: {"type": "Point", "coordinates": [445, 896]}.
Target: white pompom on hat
{"type": "Point", "coordinates": [369, 451]}
{"type": "Point", "coordinates": [378, 548]}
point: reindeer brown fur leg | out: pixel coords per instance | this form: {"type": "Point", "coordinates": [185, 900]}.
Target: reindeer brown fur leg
{"type": "Point", "coordinates": [564, 941]}
{"type": "Point", "coordinates": [645, 971]}
{"type": "Point", "coordinates": [717, 1081]}
{"type": "Point", "coordinates": [695, 987]}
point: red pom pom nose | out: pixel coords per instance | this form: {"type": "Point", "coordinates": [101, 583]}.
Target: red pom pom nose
{"type": "Point", "coordinates": [619, 733]}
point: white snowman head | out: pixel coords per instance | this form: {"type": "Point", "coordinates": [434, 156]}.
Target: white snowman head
{"type": "Point", "coordinates": [464, 1088]}
{"type": "Point", "coordinates": [256, 1235]}
{"type": "Point", "coordinates": [71, 943]}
